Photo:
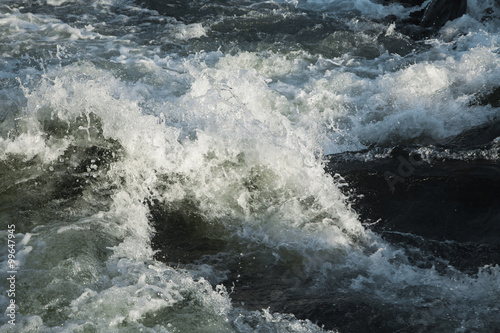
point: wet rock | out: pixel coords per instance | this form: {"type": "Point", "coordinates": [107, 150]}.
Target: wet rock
{"type": "Point", "coordinates": [438, 12]}
{"type": "Point", "coordinates": [424, 22]}
{"type": "Point", "coordinates": [492, 98]}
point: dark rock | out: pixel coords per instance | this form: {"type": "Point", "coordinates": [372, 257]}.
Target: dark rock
{"type": "Point", "coordinates": [438, 12]}
{"type": "Point", "coordinates": [492, 98]}
{"type": "Point", "coordinates": [424, 22]}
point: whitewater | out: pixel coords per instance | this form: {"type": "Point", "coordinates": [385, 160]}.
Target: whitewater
{"type": "Point", "coordinates": [162, 164]}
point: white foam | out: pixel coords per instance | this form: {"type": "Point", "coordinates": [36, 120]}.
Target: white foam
{"type": "Point", "coordinates": [41, 27]}
{"type": "Point", "coordinates": [248, 132]}
{"type": "Point", "coordinates": [268, 321]}
{"type": "Point", "coordinates": [421, 99]}
{"type": "Point", "coordinates": [239, 140]}
{"type": "Point", "coordinates": [29, 145]}
{"type": "Point", "coordinates": [189, 31]}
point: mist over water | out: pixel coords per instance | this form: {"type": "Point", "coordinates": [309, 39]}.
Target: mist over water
{"type": "Point", "coordinates": [163, 163]}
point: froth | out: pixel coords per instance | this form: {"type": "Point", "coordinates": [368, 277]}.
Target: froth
{"type": "Point", "coordinates": [227, 146]}
{"type": "Point", "coordinates": [41, 27]}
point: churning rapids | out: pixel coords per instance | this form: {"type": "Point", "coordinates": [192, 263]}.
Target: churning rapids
{"type": "Point", "coordinates": [249, 166]}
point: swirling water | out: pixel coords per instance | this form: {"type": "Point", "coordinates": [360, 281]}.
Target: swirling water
{"type": "Point", "coordinates": [162, 162]}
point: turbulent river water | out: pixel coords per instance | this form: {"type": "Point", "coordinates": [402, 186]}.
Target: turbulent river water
{"type": "Point", "coordinates": [162, 166]}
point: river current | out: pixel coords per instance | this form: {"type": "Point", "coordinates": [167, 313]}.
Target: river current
{"type": "Point", "coordinates": [162, 164]}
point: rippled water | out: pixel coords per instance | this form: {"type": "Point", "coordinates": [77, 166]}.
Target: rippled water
{"type": "Point", "coordinates": [162, 164]}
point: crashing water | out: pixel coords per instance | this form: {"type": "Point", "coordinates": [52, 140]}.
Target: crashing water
{"type": "Point", "coordinates": [162, 164]}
